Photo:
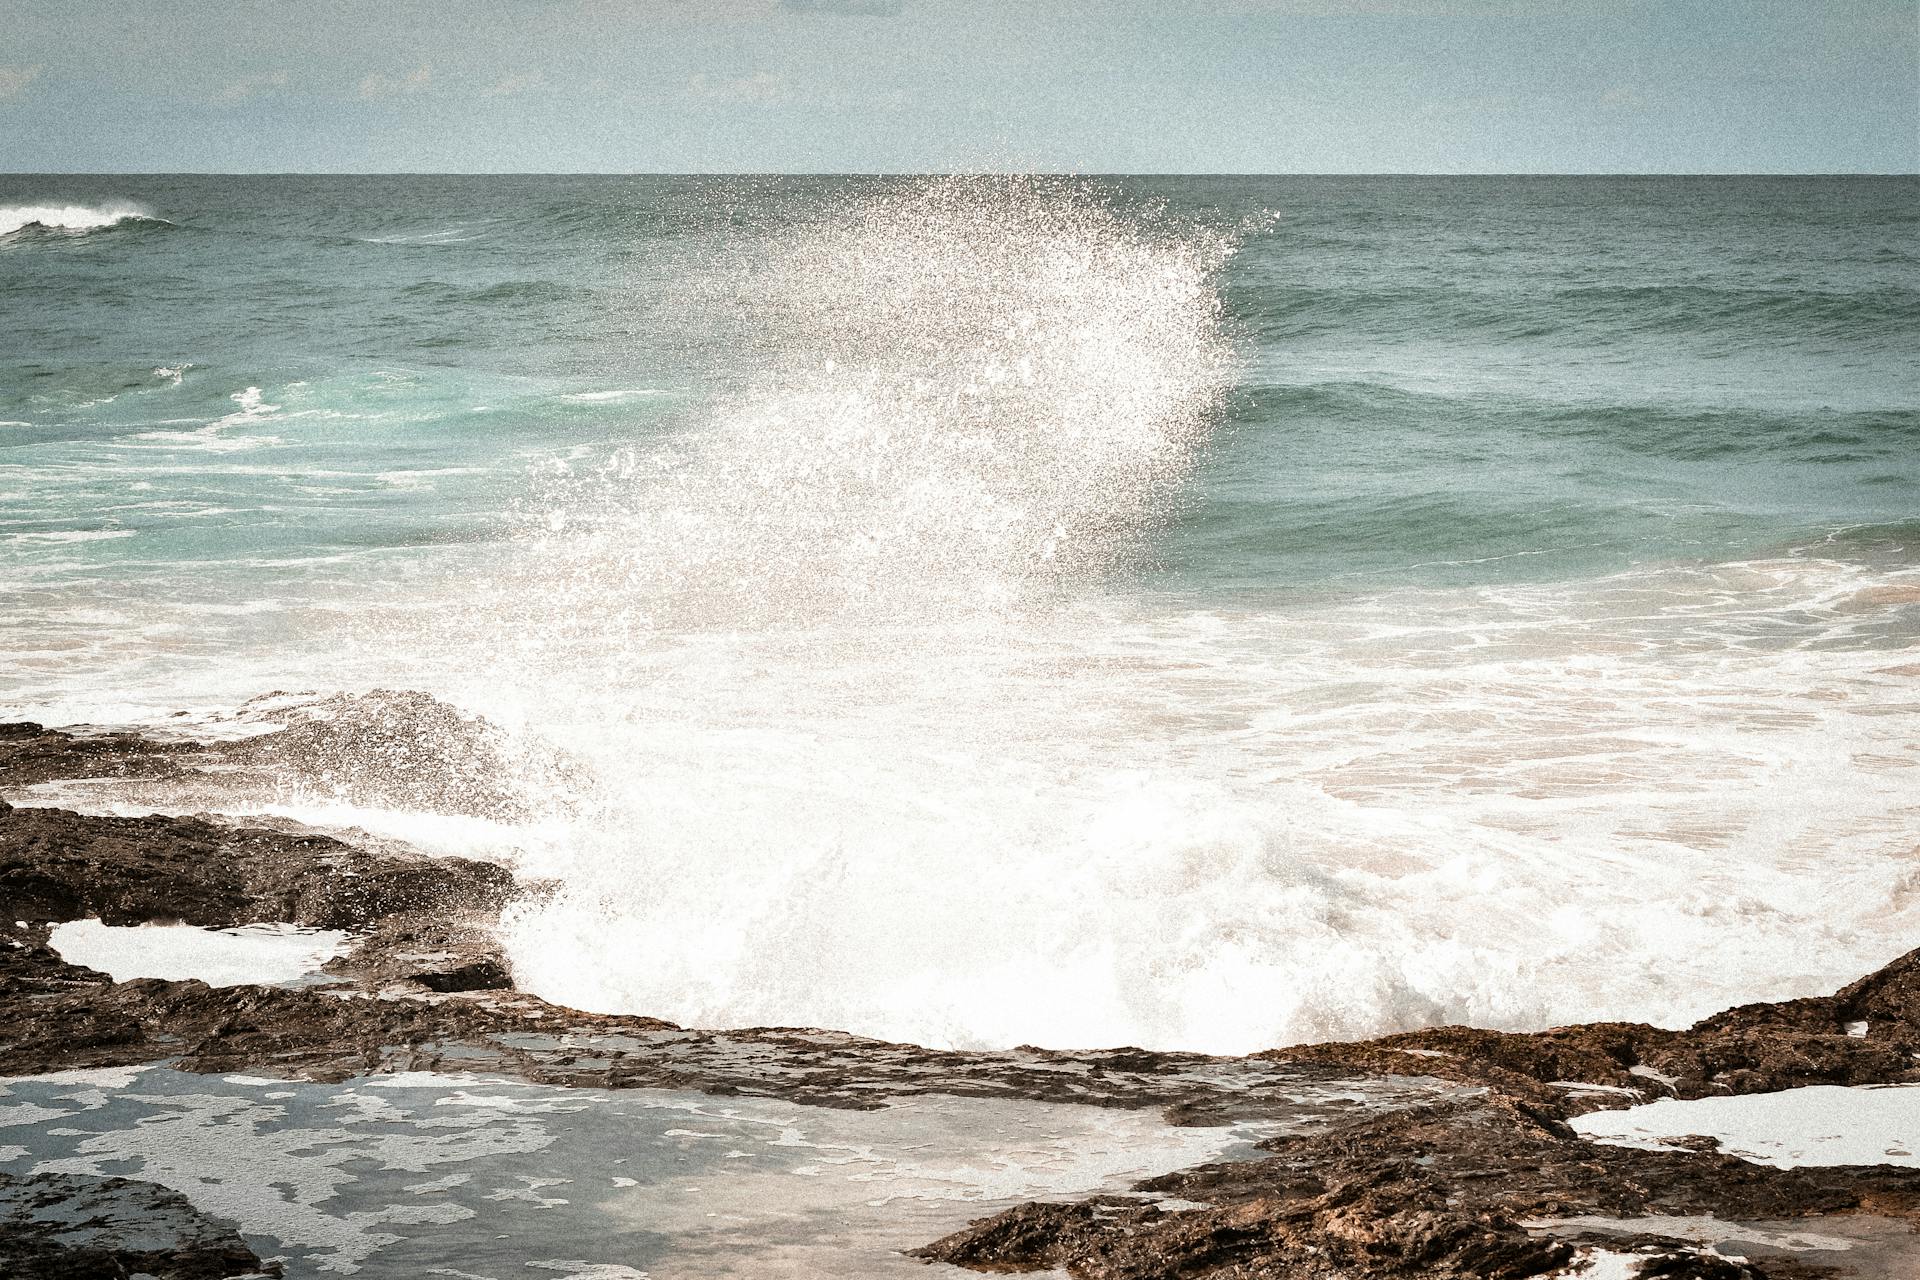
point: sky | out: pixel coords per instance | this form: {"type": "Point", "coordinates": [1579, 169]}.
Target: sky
{"type": "Point", "coordinates": [1091, 86]}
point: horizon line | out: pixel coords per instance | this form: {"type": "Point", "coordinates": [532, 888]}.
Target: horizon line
{"type": "Point", "coordinates": [943, 173]}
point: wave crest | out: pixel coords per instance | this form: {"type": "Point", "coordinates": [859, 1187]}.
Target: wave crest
{"type": "Point", "coordinates": [70, 217]}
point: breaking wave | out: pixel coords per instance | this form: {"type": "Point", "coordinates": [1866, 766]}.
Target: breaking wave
{"type": "Point", "coordinates": [872, 744]}
{"type": "Point", "coordinates": [972, 399]}
{"type": "Point", "coordinates": [1483, 677]}
{"type": "Point", "coordinates": [70, 217]}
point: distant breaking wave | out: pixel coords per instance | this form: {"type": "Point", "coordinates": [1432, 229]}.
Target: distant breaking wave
{"type": "Point", "coordinates": [69, 217]}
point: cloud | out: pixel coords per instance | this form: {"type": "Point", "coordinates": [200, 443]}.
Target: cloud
{"type": "Point", "coordinates": [14, 80]}
{"type": "Point", "coordinates": [519, 82]}
{"type": "Point", "coordinates": [851, 8]}
{"type": "Point", "coordinates": [761, 86]}
{"type": "Point", "coordinates": [375, 85]}
{"type": "Point", "coordinates": [250, 86]}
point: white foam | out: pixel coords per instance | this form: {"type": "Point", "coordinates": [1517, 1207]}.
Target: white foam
{"type": "Point", "coordinates": [213, 436]}
{"type": "Point", "coordinates": [69, 217]}
{"type": "Point", "coordinates": [86, 1079]}
{"type": "Point", "coordinates": [219, 957]}
{"type": "Point", "coordinates": [57, 536]}
{"type": "Point", "coordinates": [448, 235]}
{"type": "Point", "coordinates": [613, 397]}
{"type": "Point", "coordinates": [1507, 807]}
{"type": "Point", "coordinates": [1816, 1125]}
{"type": "Point", "coordinates": [1600, 1264]}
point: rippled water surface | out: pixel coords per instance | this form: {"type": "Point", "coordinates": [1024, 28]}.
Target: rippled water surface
{"type": "Point", "coordinates": [482, 1179]}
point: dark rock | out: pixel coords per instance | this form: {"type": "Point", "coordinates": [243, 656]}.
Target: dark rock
{"type": "Point", "coordinates": [59, 865]}
{"type": "Point", "coordinates": [58, 1226]}
{"type": "Point", "coordinates": [1439, 1192]}
{"type": "Point", "coordinates": [398, 750]}
{"type": "Point", "coordinates": [1752, 1049]}
{"type": "Point", "coordinates": [32, 754]}
{"type": "Point", "coordinates": [427, 987]}
{"type": "Point", "coordinates": [1462, 1189]}
{"type": "Point", "coordinates": [436, 953]}
{"type": "Point", "coordinates": [383, 749]}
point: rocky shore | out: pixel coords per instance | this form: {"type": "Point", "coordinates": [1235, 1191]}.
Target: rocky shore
{"type": "Point", "coordinates": [1461, 1164]}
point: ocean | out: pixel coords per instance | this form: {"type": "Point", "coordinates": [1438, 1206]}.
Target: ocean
{"type": "Point", "coordinates": [1208, 613]}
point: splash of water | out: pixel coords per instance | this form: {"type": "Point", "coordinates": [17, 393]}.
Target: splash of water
{"type": "Point", "coordinates": [790, 632]}
{"type": "Point", "coordinates": [970, 391]}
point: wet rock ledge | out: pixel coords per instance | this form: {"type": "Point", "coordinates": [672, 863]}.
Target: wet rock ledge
{"type": "Point", "coordinates": [61, 1226]}
{"type": "Point", "coordinates": [1441, 1153]}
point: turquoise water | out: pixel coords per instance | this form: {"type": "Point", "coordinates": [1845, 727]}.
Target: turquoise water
{"type": "Point", "coordinates": [1100, 602]}
{"type": "Point", "coordinates": [1543, 377]}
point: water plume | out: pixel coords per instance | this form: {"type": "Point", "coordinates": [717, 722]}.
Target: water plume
{"type": "Point", "coordinates": [967, 392]}
{"type": "Point", "coordinates": [793, 631]}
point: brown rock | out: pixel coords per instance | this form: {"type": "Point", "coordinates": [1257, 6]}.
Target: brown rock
{"type": "Point", "coordinates": [59, 865]}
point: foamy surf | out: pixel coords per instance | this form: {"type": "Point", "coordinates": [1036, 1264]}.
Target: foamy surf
{"type": "Point", "coordinates": [1228, 832]}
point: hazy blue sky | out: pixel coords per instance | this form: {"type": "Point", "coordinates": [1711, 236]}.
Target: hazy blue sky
{"type": "Point", "coordinates": [1088, 85]}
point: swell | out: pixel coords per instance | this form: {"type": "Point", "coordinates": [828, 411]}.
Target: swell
{"type": "Point", "coordinates": [1682, 432]}
{"type": "Point", "coordinates": [505, 293]}
{"type": "Point", "coordinates": [1278, 312]}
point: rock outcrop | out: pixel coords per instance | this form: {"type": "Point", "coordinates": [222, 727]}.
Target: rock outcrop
{"type": "Point", "coordinates": [59, 865]}
{"type": "Point", "coordinates": [1485, 1187]}
{"type": "Point", "coordinates": [1442, 1154]}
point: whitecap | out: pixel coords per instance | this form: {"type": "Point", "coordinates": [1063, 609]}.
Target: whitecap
{"type": "Point", "coordinates": [253, 408]}
{"type": "Point", "coordinates": [69, 217]}
{"type": "Point", "coordinates": [613, 397]}
{"type": "Point", "coordinates": [68, 535]}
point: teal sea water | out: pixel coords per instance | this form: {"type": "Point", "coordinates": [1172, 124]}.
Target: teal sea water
{"type": "Point", "coordinates": [1203, 612]}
